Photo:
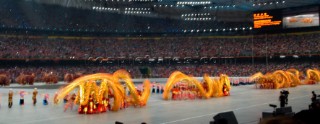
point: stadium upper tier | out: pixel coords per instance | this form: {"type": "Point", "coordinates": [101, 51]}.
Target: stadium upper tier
{"type": "Point", "coordinates": [24, 15]}
{"type": "Point", "coordinates": [192, 47]}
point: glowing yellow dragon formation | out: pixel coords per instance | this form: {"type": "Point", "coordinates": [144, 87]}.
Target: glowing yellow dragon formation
{"type": "Point", "coordinates": [214, 86]}
{"type": "Point", "coordinates": [284, 79]}
{"type": "Point", "coordinates": [91, 95]}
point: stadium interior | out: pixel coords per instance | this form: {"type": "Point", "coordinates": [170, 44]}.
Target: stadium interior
{"type": "Point", "coordinates": [45, 43]}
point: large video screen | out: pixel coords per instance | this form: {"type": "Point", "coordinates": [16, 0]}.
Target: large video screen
{"type": "Point", "coordinates": [301, 20]}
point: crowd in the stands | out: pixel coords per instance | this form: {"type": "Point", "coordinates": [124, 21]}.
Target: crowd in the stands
{"type": "Point", "coordinates": [42, 48]}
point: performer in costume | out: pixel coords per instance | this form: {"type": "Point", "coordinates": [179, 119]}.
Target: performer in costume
{"type": "Point", "coordinates": [65, 99]}
{"type": "Point", "coordinates": [92, 105]}
{"type": "Point", "coordinates": [162, 89]}
{"type": "Point", "coordinates": [45, 99]}
{"type": "Point", "coordinates": [70, 102]}
{"type": "Point", "coordinates": [225, 90]}
{"type": "Point", "coordinates": [154, 87]}
{"type": "Point", "coordinates": [34, 96]}
{"type": "Point", "coordinates": [22, 93]}
{"type": "Point", "coordinates": [55, 98]}
{"type": "Point", "coordinates": [10, 98]}
{"type": "Point", "coordinates": [173, 93]}
{"type": "Point", "coordinates": [158, 88]}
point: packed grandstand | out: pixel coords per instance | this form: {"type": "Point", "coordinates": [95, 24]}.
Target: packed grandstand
{"type": "Point", "coordinates": [232, 48]}
{"type": "Point", "coordinates": [108, 55]}
{"type": "Point", "coordinates": [50, 42]}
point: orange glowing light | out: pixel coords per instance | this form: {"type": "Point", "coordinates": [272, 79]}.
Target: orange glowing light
{"type": "Point", "coordinates": [263, 19]}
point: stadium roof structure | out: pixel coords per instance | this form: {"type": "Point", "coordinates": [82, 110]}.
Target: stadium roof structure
{"type": "Point", "coordinates": [220, 10]}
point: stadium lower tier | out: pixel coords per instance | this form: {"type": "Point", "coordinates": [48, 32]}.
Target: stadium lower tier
{"type": "Point", "coordinates": [42, 73]}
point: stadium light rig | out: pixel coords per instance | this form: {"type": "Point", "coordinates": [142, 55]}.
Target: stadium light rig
{"type": "Point", "coordinates": [227, 29]}
{"type": "Point", "coordinates": [268, 3]}
{"type": "Point", "coordinates": [97, 8]}
{"type": "Point", "coordinates": [194, 3]}
{"type": "Point", "coordinates": [137, 11]}
{"type": "Point", "coordinates": [196, 17]}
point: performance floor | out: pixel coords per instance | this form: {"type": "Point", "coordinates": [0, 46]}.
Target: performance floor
{"type": "Point", "coordinates": [247, 103]}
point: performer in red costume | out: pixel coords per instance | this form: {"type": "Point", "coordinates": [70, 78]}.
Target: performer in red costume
{"type": "Point", "coordinates": [225, 90]}
{"type": "Point", "coordinates": [175, 93]}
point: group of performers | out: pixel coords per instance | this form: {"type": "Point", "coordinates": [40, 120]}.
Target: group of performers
{"type": "Point", "coordinates": [185, 91]}
{"type": "Point", "coordinates": [268, 84]}
{"type": "Point", "coordinates": [157, 88]}
{"type": "Point", "coordinates": [182, 91]}
{"type": "Point", "coordinates": [285, 78]}
{"type": "Point", "coordinates": [22, 93]}
{"type": "Point", "coordinates": [93, 106]}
